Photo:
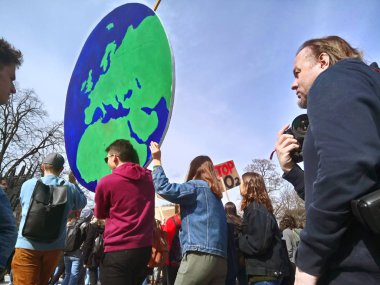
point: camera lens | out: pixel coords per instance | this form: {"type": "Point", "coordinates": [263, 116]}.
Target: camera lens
{"type": "Point", "coordinates": [300, 125]}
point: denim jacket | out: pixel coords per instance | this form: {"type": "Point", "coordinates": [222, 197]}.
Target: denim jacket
{"type": "Point", "coordinates": [204, 225]}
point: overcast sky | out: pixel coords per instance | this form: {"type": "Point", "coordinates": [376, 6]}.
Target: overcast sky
{"type": "Point", "coordinates": [233, 62]}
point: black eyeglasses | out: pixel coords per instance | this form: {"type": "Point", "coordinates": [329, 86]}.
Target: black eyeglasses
{"type": "Point", "coordinates": [109, 155]}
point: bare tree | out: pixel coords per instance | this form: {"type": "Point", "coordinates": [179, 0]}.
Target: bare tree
{"type": "Point", "coordinates": [284, 197]}
{"type": "Point", "coordinates": [288, 202]}
{"type": "Point", "coordinates": [267, 170]}
{"type": "Point", "coordinates": [26, 133]}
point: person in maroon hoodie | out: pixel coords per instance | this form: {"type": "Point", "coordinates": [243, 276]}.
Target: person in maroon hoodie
{"type": "Point", "coordinates": [125, 198]}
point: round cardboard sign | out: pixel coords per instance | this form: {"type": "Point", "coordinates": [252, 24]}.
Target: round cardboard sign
{"type": "Point", "coordinates": [122, 87]}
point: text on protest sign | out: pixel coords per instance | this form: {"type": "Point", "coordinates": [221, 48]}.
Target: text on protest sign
{"type": "Point", "coordinates": [228, 173]}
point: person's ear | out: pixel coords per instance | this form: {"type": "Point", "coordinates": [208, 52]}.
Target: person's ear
{"type": "Point", "coordinates": [324, 60]}
{"type": "Point", "coordinates": [116, 160]}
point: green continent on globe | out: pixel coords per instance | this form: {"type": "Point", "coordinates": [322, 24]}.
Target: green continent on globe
{"type": "Point", "coordinates": [137, 75]}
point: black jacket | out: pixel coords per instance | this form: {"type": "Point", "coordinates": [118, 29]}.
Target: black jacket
{"type": "Point", "coordinates": [91, 258]}
{"type": "Point", "coordinates": [261, 243]}
{"type": "Point", "coordinates": [342, 163]}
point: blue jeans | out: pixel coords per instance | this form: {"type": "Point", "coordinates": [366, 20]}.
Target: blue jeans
{"type": "Point", "coordinates": [275, 282]}
{"type": "Point", "coordinates": [73, 267]}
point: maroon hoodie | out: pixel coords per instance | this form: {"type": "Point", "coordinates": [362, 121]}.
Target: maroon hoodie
{"type": "Point", "coordinates": [125, 199]}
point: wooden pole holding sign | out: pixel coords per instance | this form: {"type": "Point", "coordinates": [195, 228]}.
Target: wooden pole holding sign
{"type": "Point", "coordinates": [224, 188]}
{"type": "Point", "coordinates": [156, 5]}
{"type": "Point", "coordinates": [229, 175]}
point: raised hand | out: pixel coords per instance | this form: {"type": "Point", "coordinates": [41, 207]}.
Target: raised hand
{"type": "Point", "coordinates": [156, 153]}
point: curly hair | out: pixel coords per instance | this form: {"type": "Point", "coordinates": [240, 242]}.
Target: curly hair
{"type": "Point", "coordinates": [252, 189]}
{"type": "Point", "coordinates": [202, 168]}
{"type": "Point", "coordinates": [288, 221]}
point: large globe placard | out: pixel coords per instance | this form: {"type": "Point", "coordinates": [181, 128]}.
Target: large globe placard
{"type": "Point", "coordinates": [122, 86]}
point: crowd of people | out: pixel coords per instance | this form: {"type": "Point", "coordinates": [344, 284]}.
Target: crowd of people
{"type": "Point", "coordinates": [208, 242]}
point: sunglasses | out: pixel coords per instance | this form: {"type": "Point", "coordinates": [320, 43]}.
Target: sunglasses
{"type": "Point", "coordinates": [108, 156]}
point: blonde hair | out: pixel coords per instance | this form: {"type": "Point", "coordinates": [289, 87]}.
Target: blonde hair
{"type": "Point", "coordinates": [335, 47]}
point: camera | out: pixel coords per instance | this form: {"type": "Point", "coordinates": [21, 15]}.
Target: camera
{"type": "Point", "coordinates": [298, 129]}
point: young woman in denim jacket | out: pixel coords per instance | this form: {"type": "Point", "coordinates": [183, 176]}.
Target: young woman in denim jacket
{"type": "Point", "coordinates": [203, 235]}
{"type": "Point", "coordinates": [265, 257]}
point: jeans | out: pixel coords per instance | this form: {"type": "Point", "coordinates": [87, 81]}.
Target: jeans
{"type": "Point", "coordinates": [82, 275]}
{"type": "Point", "coordinates": [73, 266]}
{"type": "Point", "coordinates": [58, 272]}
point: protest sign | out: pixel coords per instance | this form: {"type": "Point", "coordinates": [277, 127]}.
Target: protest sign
{"type": "Point", "coordinates": [229, 174]}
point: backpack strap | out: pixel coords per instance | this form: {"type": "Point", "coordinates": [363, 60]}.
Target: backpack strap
{"type": "Point", "coordinates": [177, 225]}
{"type": "Point", "coordinates": [51, 189]}
{"type": "Point", "coordinates": [35, 186]}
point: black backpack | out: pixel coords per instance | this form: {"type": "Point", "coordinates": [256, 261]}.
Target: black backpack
{"type": "Point", "coordinates": [45, 214]}
{"type": "Point", "coordinates": [74, 237]}
{"type": "Point", "coordinates": [175, 253]}
{"type": "Point", "coordinates": [98, 249]}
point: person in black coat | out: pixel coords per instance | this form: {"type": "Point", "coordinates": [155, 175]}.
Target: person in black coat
{"type": "Point", "coordinates": [341, 162]}
{"type": "Point", "coordinates": [265, 257]}
{"type": "Point", "coordinates": [92, 248]}
{"type": "Point", "coordinates": [235, 258]}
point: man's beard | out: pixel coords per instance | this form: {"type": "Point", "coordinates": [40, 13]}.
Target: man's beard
{"type": "Point", "coordinates": [302, 102]}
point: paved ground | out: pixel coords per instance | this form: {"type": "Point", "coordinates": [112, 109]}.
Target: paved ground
{"type": "Point", "coordinates": [8, 281]}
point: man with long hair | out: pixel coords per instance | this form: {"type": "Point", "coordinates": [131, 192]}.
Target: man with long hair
{"type": "Point", "coordinates": [341, 161]}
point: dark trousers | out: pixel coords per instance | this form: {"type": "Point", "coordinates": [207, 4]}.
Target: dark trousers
{"type": "Point", "coordinates": [125, 267]}
{"type": "Point", "coordinates": [93, 273]}
{"type": "Point", "coordinates": [171, 274]}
